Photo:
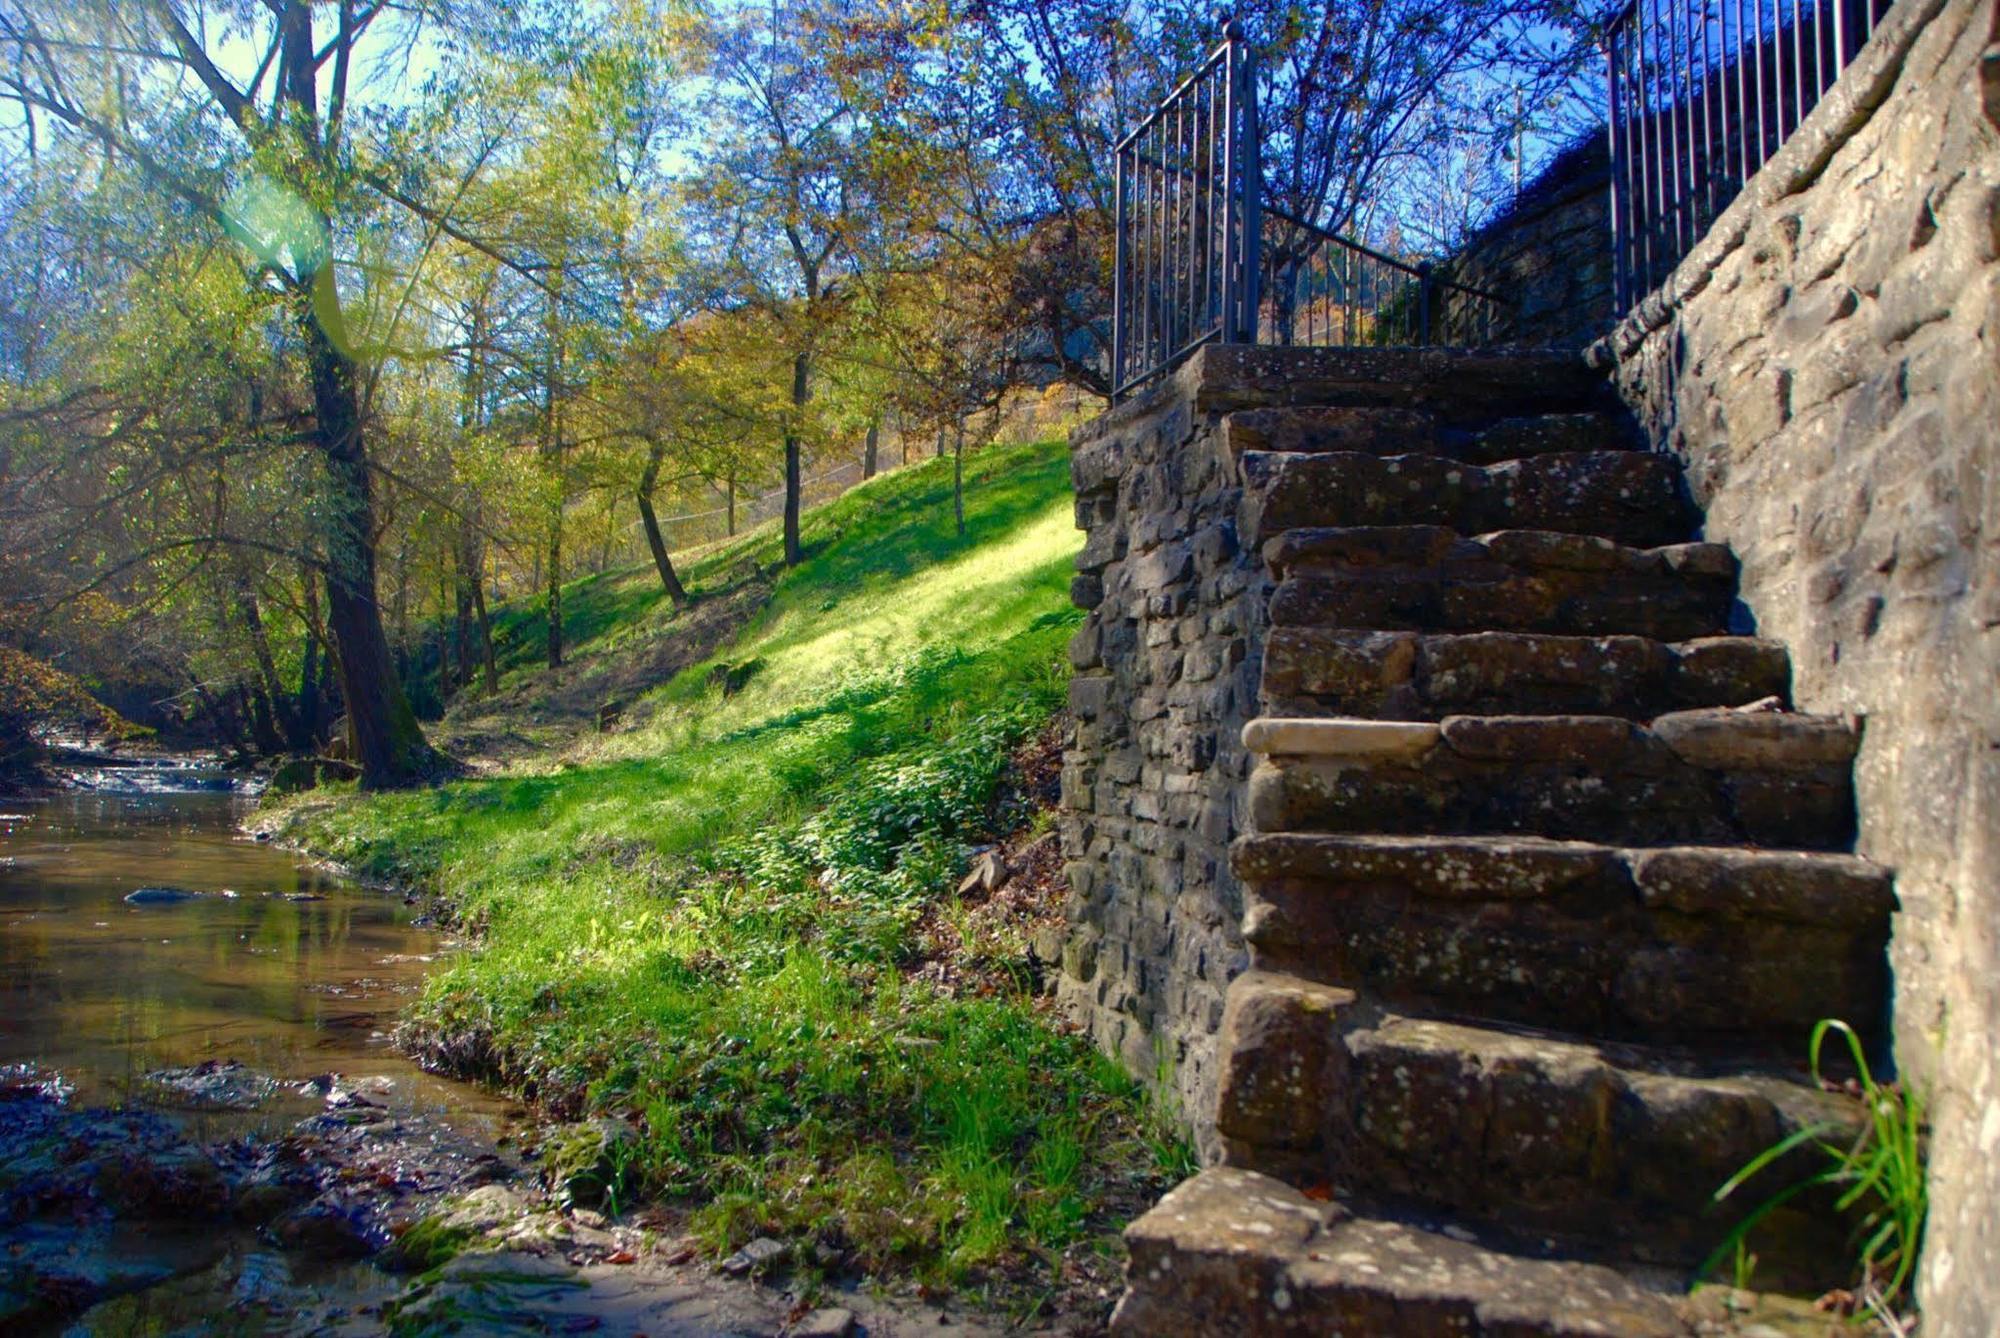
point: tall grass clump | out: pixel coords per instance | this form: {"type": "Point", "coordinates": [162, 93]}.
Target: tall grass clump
{"type": "Point", "coordinates": [1877, 1172]}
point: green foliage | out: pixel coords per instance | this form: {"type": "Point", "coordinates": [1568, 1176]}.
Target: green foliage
{"type": "Point", "coordinates": [1878, 1176]}
{"type": "Point", "coordinates": [708, 923]}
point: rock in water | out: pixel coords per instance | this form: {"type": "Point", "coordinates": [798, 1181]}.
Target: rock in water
{"type": "Point", "coordinates": [160, 896]}
{"type": "Point", "coordinates": [216, 1085]}
{"type": "Point", "coordinates": [328, 1226]}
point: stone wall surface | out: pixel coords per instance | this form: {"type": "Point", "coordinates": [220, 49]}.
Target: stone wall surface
{"type": "Point", "coordinates": [1549, 254]}
{"type": "Point", "coordinates": [1827, 364]}
{"type": "Point", "coordinates": [1167, 665]}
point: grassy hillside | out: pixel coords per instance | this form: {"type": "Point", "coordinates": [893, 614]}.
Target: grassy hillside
{"type": "Point", "coordinates": [726, 923]}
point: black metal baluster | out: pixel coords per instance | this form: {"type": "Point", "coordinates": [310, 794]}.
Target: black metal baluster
{"type": "Point", "coordinates": [1703, 160]}
{"type": "Point", "coordinates": [1118, 295]}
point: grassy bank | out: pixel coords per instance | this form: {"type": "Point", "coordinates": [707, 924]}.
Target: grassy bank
{"type": "Point", "coordinates": [722, 926]}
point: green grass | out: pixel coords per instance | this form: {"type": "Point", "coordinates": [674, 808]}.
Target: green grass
{"type": "Point", "coordinates": [1877, 1172]}
{"type": "Point", "coordinates": [707, 925]}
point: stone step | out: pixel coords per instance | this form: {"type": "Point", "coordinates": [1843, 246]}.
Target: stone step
{"type": "Point", "coordinates": [1231, 1252]}
{"type": "Point", "coordinates": [1427, 578]}
{"type": "Point", "coordinates": [1536, 1135]}
{"type": "Point", "coordinates": [1225, 378]}
{"type": "Point", "coordinates": [1633, 497]}
{"type": "Point", "coordinates": [1709, 777]}
{"type": "Point", "coordinates": [1412, 676]}
{"type": "Point", "coordinates": [1380, 430]}
{"type": "Point", "coordinates": [1705, 945]}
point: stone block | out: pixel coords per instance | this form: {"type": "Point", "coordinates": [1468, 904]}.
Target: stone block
{"type": "Point", "coordinates": [1629, 496]}
{"type": "Point", "coordinates": [1727, 740]}
{"type": "Point", "coordinates": [1091, 695]}
{"type": "Point", "coordinates": [1350, 739]}
{"type": "Point", "coordinates": [1283, 1067]}
{"type": "Point", "coordinates": [1601, 741]}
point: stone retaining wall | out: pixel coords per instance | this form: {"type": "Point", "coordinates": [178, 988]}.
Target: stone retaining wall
{"type": "Point", "coordinates": [1827, 363]}
{"type": "Point", "coordinates": [1167, 666]}
{"type": "Point", "coordinates": [1549, 254]}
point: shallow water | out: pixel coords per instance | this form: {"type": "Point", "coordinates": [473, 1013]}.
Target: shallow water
{"type": "Point", "coordinates": [290, 971]}
{"type": "Point", "coordinates": [105, 991]}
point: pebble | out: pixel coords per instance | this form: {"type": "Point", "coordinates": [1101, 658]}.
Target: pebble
{"type": "Point", "coordinates": [755, 1255]}
{"type": "Point", "coordinates": [834, 1322]}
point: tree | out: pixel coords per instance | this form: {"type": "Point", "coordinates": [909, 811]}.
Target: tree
{"type": "Point", "coordinates": [933, 326]}
{"type": "Point", "coordinates": [190, 128]}
{"type": "Point", "coordinates": [691, 401]}
{"type": "Point", "coordinates": [1004, 116]}
{"type": "Point", "coordinates": [778, 203]}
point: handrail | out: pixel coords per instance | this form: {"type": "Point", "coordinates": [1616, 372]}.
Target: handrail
{"type": "Point", "coordinates": [1335, 290]}
{"type": "Point", "coordinates": [1416, 270]}
{"type": "Point", "coordinates": [1187, 187]}
{"type": "Point", "coordinates": [1701, 94]}
{"type": "Point", "coordinates": [1190, 264]}
{"type": "Point", "coordinates": [1202, 71]}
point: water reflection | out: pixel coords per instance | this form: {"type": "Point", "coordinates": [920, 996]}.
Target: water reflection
{"type": "Point", "coordinates": [275, 964]}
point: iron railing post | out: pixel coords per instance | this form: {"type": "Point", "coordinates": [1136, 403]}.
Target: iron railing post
{"type": "Point", "coordinates": [1231, 101]}
{"type": "Point", "coordinates": [1424, 304]}
{"type": "Point", "coordinates": [1253, 187]}
{"type": "Point", "coordinates": [1118, 261]}
{"type": "Point", "coordinates": [1619, 280]}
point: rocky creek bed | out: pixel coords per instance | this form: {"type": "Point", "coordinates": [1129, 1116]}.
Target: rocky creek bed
{"type": "Point", "coordinates": [205, 1130]}
{"type": "Point", "coordinates": [362, 1218]}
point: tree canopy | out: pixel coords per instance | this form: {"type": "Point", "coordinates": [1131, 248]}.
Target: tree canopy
{"type": "Point", "coordinates": [322, 325]}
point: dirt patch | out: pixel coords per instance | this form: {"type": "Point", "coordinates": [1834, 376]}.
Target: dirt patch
{"type": "Point", "coordinates": [1007, 917]}
{"type": "Point", "coordinates": [548, 711]}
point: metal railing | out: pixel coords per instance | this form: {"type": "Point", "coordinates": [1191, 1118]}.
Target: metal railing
{"type": "Point", "coordinates": [1322, 288]}
{"type": "Point", "coordinates": [1201, 258]}
{"type": "Point", "coordinates": [1188, 186]}
{"type": "Point", "coordinates": [1702, 94]}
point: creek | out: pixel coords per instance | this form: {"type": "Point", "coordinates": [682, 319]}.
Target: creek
{"type": "Point", "coordinates": [205, 1130]}
{"type": "Point", "coordinates": [244, 993]}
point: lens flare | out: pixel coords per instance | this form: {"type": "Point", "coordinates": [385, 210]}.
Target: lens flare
{"type": "Point", "coordinates": [277, 225]}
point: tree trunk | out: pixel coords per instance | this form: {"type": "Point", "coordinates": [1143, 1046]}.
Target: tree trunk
{"type": "Point", "coordinates": [553, 448]}
{"type": "Point", "coordinates": [958, 479]}
{"type": "Point", "coordinates": [732, 504]}
{"type": "Point", "coordinates": [940, 445]}
{"type": "Point", "coordinates": [232, 719]}
{"type": "Point", "coordinates": [263, 722]}
{"type": "Point", "coordinates": [271, 691]}
{"type": "Point", "coordinates": [554, 573]}
{"type": "Point", "coordinates": [801, 387]}
{"type": "Point", "coordinates": [305, 710]}
{"type": "Point", "coordinates": [389, 745]}
{"type": "Point", "coordinates": [485, 636]}
{"type": "Point", "coordinates": [310, 712]}
{"type": "Point", "coordinates": [220, 723]}
{"type": "Point", "coordinates": [399, 609]}
{"type": "Point", "coordinates": [868, 449]}
{"type": "Point", "coordinates": [442, 634]}
{"type": "Point", "coordinates": [465, 570]}
{"type": "Point", "coordinates": [650, 479]}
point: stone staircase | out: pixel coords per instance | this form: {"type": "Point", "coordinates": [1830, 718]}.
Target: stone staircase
{"type": "Point", "coordinates": [1545, 886]}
